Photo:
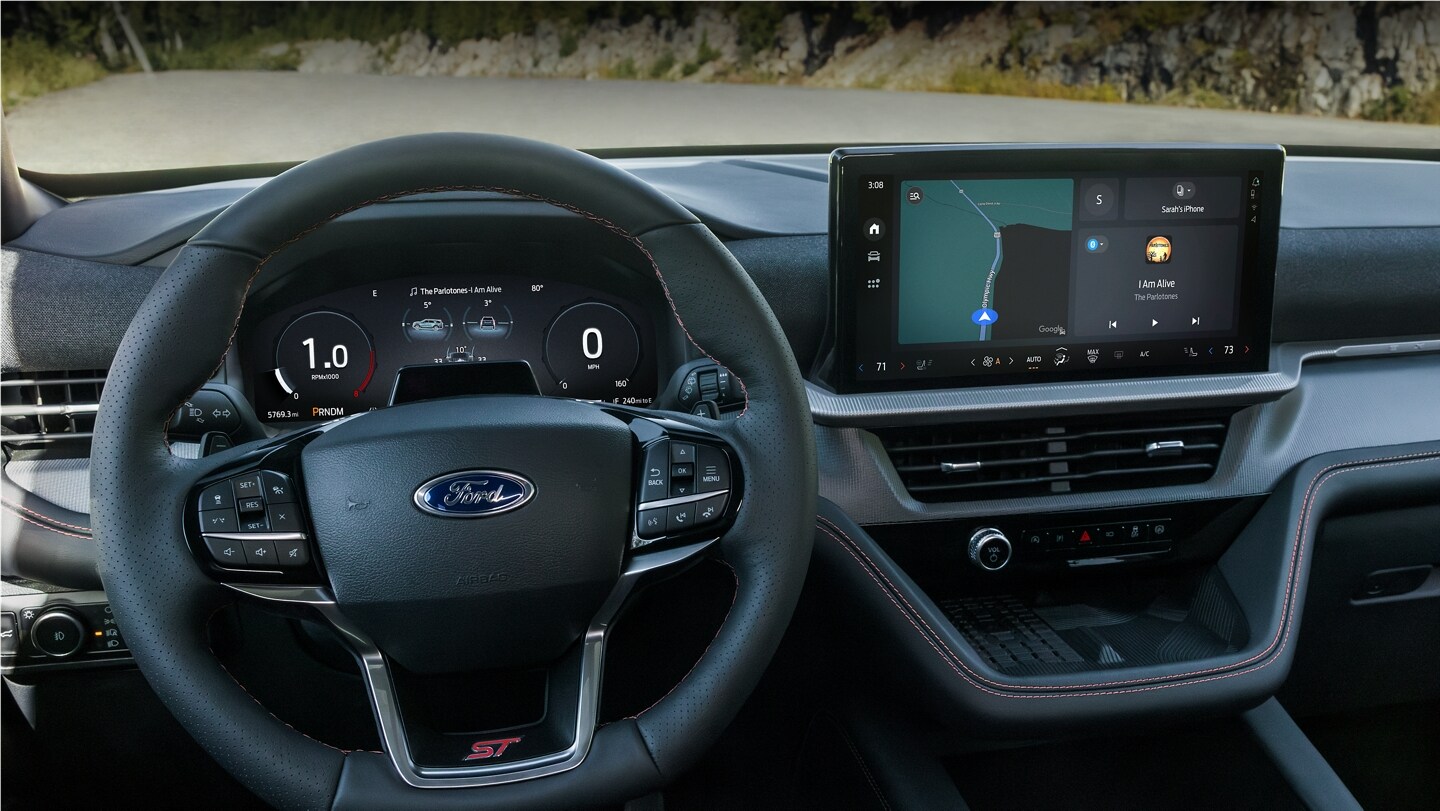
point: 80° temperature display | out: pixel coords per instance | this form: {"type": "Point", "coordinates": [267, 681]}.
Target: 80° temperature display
{"type": "Point", "coordinates": [339, 354]}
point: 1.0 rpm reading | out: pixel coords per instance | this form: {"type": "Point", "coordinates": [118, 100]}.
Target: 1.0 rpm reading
{"type": "Point", "coordinates": [324, 358]}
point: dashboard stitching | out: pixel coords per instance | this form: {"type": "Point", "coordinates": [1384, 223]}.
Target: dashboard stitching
{"type": "Point", "coordinates": [733, 597]}
{"type": "Point", "coordinates": [22, 517]}
{"type": "Point", "coordinates": [864, 767]}
{"type": "Point", "coordinates": [41, 515]}
{"type": "Point", "coordinates": [595, 218]}
{"type": "Point", "coordinates": [251, 696]}
{"type": "Point", "coordinates": [1296, 559]}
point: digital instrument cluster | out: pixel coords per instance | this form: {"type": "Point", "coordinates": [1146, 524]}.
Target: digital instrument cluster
{"type": "Point", "coordinates": [349, 351]}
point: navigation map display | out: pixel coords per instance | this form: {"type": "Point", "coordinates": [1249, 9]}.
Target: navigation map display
{"type": "Point", "coordinates": [986, 265]}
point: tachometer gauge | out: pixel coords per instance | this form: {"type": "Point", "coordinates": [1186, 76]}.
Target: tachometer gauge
{"type": "Point", "coordinates": [325, 360]}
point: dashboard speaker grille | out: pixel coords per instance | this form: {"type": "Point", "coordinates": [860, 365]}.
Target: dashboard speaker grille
{"type": "Point", "coordinates": [967, 462]}
{"type": "Point", "coordinates": [49, 406]}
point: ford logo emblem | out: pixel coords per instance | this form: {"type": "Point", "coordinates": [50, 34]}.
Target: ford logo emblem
{"type": "Point", "coordinates": [474, 494]}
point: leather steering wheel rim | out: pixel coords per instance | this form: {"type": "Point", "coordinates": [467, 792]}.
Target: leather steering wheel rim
{"type": "Point", "coordinates": [183, 331]}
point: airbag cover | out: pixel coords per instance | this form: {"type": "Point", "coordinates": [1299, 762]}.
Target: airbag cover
{"type": "Point", "coordinates": [446, 593]}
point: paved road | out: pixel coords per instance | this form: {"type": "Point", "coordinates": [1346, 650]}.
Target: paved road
{"type": "Point", "coordinates": [188, 118]}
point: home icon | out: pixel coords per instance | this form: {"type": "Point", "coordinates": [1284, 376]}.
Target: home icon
{"type": "Point", "coordinates": [874, 229]}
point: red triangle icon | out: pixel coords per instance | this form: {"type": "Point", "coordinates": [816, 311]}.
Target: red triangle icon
{"type": "Point", "coordinates": [1084, 535]}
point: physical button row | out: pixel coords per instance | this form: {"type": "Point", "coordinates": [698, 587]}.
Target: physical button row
{"type": "Point", "coordinates": [257, 550]}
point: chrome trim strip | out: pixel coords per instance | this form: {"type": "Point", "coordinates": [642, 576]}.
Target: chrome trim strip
{"type": "Point", "coordinates": [959, 467]}
{"type": "Point", "coordinates": [255, 536]}
{"type": "Point", "coordinates": [671, 502]}
{"type": "Point", "coordinates": [387, 709]}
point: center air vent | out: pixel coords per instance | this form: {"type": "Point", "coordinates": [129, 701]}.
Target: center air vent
{"type": "Point", "coordinates": [48, 406]}
{"type": "Point", "coordinates": [966, 462]}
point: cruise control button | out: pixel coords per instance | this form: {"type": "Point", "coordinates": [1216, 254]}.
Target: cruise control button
{"type": "Point", "coordinates": [246, 486]}
{"type": "Point", "coordinates": [284, 518]}
{"type": "Point", "coordinates": [217, 497]}
{"type": "Point", "coordinates": [218, 521]}
{"type": "Point", "coordinates": [260, 553]}
{"type": "Point", "coordinates": [681, 452]}
{"type": "Point", "coordinates": [651, 523]}
{"type": "Point", "coordinates": [254, 523]}
{"type": "Point", "coordinates": [680, 518]}
{"type": "Point", "coordinates": [712, 470]}
{"type": "Point", "coordinates": [710, 510]}
{"type": "Point", "coordinates": [251, 505]}
{"type": "Point", "coordinates": [277, 487]}
{"type": "Point", "coordinates": [292, 553]}
{"type": "Point", "coordinates": [224, 552]}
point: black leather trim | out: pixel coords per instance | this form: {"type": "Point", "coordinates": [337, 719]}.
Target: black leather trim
{"type": "Point", "coordinates": [45, 542]}
{"type": "Point", "coordinates": [1266, 567]}
{"type": "Point", "coordinates": [258, 223]}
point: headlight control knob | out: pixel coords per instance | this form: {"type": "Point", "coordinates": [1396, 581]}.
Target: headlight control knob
{"type": "Point", "coordinates": [989, 549]}
{"type": "Point", "coordinates": [58, 633]}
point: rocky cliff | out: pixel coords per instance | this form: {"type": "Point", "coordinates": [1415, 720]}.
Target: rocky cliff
{"type": "Point", "coordinates": [1379, 60]}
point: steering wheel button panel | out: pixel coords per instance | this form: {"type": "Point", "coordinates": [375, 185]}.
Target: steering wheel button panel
{"type": "Point", "coordinates": [263, 529]}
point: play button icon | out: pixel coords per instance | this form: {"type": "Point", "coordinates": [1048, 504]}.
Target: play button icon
{"type": "Point", "coordinates": [1154, 323]}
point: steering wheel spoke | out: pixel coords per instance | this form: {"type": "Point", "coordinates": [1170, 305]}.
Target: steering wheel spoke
{"type": "Point", "coordinates": [425, 757]}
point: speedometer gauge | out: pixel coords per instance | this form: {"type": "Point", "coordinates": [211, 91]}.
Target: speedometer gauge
{"type": "Point", "coordinates": [325, 360]}
{"type": "Point", "coordinates": [592, 349]}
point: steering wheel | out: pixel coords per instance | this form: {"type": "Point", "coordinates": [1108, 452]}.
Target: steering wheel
{"type": "Point", "coordinates": [557, 490]}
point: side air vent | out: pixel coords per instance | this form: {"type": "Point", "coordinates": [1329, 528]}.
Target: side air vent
{"type": "Point", "coordinates": [49, 406]}
{"type": "Point", "coordinates": [1074, 455]}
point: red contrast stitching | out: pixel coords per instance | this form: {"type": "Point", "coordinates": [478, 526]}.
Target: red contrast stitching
{"type": "Point", "coordinates": [1282, 633]}
{"type": "Point", "coordinates": [864, 767]}
{"type": "Point", "coordinates": [733, 597]}
{"type": "Point", "coordinates": [55, 521]}
{"type": "Point", "coordinates": [572, 208]}
{"type": "Point", "coordinates": [22, 517]}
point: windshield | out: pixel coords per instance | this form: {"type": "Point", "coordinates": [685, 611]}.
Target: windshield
{"type": "Point", "coordinates": [106, 87]}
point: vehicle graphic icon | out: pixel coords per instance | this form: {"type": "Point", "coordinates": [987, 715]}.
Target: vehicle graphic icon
{"type": "Point", "coordinates": [428, 325]}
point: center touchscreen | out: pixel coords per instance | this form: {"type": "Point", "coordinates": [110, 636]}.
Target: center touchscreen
{"type": "Point", "coordinates": [982, 265]}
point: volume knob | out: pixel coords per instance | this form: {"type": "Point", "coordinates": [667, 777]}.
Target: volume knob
{"type": "Point", "coordinates": [989, 549]}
